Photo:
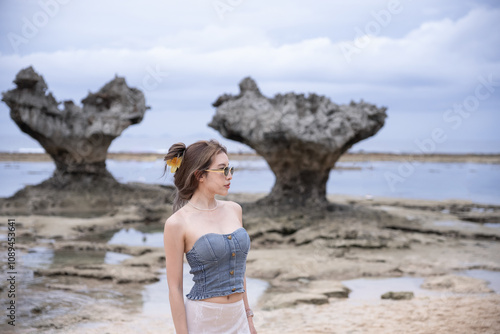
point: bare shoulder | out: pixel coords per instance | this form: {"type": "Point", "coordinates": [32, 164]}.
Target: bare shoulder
{"type": "Point", "coordinates": [174, 224]}
{"type": "Point", "coordinates": [234, 206]}
{"type": "Point", "coordinates": [236, 209]}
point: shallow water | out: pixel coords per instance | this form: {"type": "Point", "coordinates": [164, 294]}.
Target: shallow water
{"type": "Point", "coordinates": [425, 180]}
{"type": "Point", "coordinates": [374, 288]}
{"type": "Point", "coordinates": [134, 237]}
{"type": "Point", "coordinates": [468, 226]}
{"type": "Point", "coordinates": [46, 303]}
{"type": "Point", "coordinates": [38, 302]}
{"type": "Point", "coordinates": [493, 277]}
{"type": "Point", "coordinates": [43, 258]}
{"type": "Point", "coordinates": [456, 223]}
{"type": "Point", "coordinates": [156, 295]}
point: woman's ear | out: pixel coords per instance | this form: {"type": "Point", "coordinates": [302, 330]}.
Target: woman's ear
{"type": "Point", "coordinates": [199, 176]}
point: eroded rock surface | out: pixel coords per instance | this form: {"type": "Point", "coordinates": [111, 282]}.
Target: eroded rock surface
{"type": "Point", "coordinates": [331, 289]}
{"type": "Point", "coordinates": [294, 298]}
{"type": "Point", "coordinates": [119, 274]}
{"type": "Point", "coordinates": [77, 138]}
{"type": "Point", "coordinates": [301, 137]}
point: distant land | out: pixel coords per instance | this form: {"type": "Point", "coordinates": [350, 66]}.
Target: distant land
{"type": "Point", "coordinates": [347, 157]}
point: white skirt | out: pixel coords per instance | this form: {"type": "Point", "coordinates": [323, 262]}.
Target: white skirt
{"type": "Point", "coordinates": [207, 317]}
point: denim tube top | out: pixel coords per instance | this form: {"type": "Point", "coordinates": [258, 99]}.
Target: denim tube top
{"type": "Point", "coordinates": [218, 264]}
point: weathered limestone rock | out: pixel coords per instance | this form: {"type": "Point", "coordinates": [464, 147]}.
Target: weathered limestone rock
{"type": "Point", "coordinates": [293, 298]}
{"type": "Point", "coordinates": [331, 289]}
{"type": "Point", "coordinates": [301, 137]}
{"type": "Point", "coordinates": [119, 274]}
{"type": "Point", "coordinates": [76, 138]}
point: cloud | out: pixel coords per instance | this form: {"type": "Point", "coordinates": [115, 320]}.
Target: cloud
{"type": "Point", "coordinates": [435, 54]}
{"type": "Point", "coordinates": [426, 67]}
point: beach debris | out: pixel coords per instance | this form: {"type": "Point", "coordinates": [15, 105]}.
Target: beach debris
{"type": "Point", "coordinates": [77, 138]}
{"type": "Point", "coordinates": [399, 295]}
{"type": "Point", "coordinates": [301, 137]}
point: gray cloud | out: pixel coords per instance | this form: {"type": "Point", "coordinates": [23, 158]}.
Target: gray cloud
{"type": "Point", "coordinates": [424, 58]}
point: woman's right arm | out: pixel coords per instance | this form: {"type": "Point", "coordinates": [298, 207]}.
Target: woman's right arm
{"type": "Point", "coordinates": [173, 238]}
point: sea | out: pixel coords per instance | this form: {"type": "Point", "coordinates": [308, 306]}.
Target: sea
{"type": "Point", "coordinates": [475, 182]}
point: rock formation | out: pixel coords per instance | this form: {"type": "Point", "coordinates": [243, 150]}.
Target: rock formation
{"type": "Point", "coordinates": [301, 137]}
{"type": "Point", "coordinates": [76, 138]}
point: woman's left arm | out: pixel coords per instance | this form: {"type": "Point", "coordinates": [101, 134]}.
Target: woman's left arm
{"type": "Point", "coordinates": [239, 213]}
{"type": "Point", "coordinates": [247, 307]}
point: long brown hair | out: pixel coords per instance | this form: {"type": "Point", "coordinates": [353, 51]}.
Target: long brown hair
{"type": "Point", "coordinates": [195, 159]}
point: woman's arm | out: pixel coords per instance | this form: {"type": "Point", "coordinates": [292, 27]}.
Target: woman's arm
{"type": "Point", "coordinates": [173, 238]}
{"type": "Point", "coordinates": [239, 213]}
{"type": "Point", "coordinates": [247, 306]}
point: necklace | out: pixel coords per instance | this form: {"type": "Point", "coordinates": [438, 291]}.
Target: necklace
{"type": "Point", "coordinates": [216, 205]}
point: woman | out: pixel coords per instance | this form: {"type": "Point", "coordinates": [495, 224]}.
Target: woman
{"type": "Point", "coordinates": [212, 236]}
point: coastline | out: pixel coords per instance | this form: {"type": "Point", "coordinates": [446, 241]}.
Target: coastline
{"type": "Point", "coordinates": [486, 158]}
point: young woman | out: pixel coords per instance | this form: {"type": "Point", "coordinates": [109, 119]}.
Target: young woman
{"type": "Point", "coordinates": [211, 234]}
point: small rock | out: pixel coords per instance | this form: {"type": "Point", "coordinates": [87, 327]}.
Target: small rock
{"type": "Point", "coordinates": [331, 289]}
{"type": "Point", "coordinates": [294, 298]}
{"type": "Point", "coordinates": [38, 309]}
{"type": "Point", "coordinates": [399, 295]}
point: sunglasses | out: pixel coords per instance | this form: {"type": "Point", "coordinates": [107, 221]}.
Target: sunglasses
{"type": "Point", "coordinates": [225, 170]}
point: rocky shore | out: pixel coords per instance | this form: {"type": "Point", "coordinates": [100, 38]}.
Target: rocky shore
{"type": "Point", "coordinates": [320, 257]}
{"type": "Point", "coordinates": [304, 259]}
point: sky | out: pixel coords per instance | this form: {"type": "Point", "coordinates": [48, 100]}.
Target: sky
{"type": "Point", "coordinates": [434, 64]}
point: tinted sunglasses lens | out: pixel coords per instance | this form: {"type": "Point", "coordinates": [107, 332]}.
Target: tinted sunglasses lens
{"type": "Point", "coordinates": [228, 170]}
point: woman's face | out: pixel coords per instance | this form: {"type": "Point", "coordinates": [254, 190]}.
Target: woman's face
{"type": "Point", "coordinates": [216, 181]}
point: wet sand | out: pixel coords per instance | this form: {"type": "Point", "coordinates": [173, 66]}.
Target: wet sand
{"type": "Point", "coordinates": [304, 262]}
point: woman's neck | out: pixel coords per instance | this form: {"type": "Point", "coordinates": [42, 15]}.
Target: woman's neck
{"type": "Point", "coordinates": [203, 201]}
